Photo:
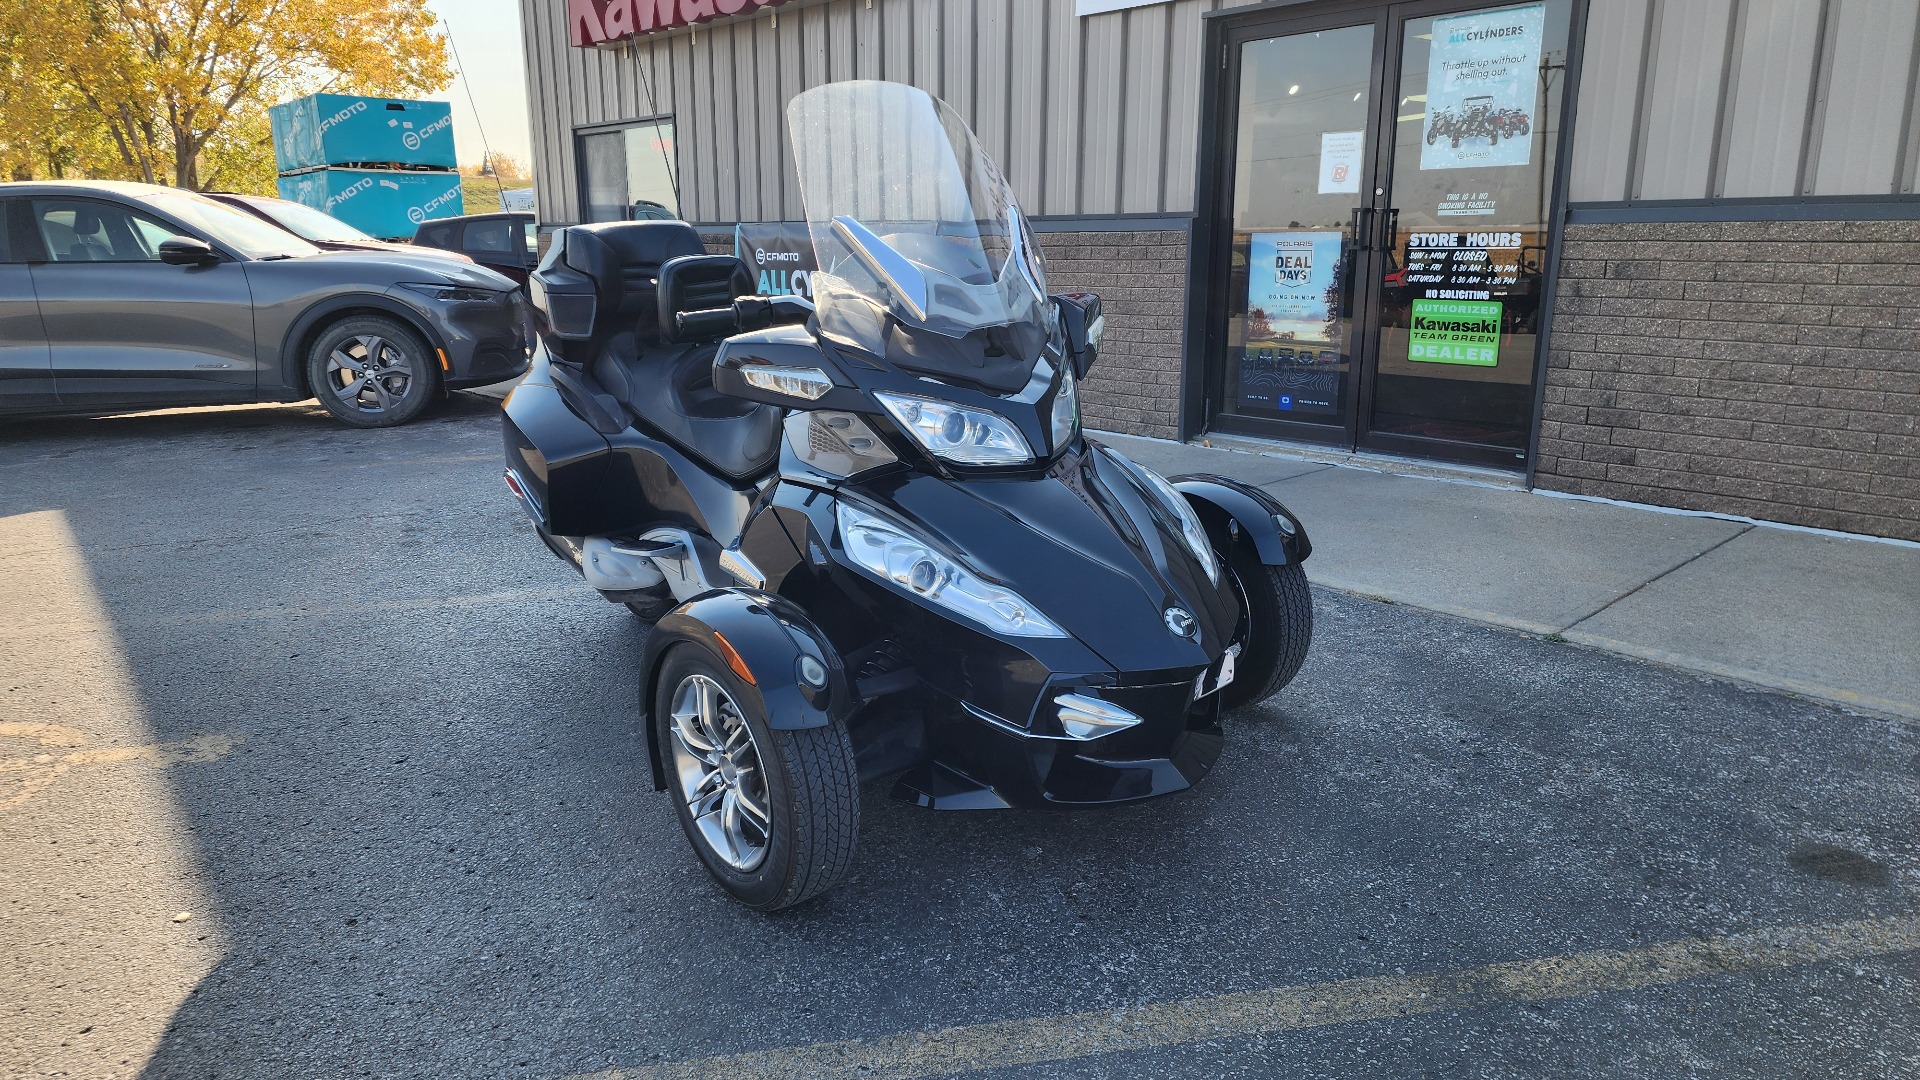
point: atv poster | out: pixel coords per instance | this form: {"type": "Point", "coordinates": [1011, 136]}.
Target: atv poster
{"type": "Point", "coordinates": [1291, 349]}
{"type": "Point", "coordinates": [1482, 83]}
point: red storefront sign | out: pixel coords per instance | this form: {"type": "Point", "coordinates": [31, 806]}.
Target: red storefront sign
{"type": "Point", "coordinates": [597, 22]}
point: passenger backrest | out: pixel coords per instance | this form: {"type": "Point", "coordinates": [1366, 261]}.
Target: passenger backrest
{"type": "Point", "coordinates": [700, 283]}
{"type": "Point", "coordinates": [599, 280]}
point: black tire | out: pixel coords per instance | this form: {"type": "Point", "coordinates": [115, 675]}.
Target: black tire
{"type": "Point", "coordinates": [1276, 626]}
{"type": "Point", "coordinates": [372, 371]}
{"type": "Point", "coordinates": [811, 786]}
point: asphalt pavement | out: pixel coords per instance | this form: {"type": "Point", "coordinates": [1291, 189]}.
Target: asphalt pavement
{"type": "Point", "coordinates": [314, 763]}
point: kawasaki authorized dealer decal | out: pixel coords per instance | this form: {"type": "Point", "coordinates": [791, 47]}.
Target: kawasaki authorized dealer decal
{"type": "Point", "coordinates": [1455, 332]}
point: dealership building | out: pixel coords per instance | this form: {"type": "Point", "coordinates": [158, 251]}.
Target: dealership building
{"type": "Point", "coordinates": [1664, 251]}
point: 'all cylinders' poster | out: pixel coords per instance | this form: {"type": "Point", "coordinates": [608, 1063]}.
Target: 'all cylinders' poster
{"type": "Point", "coordinates": [1290, 355]}
{"type": "Point", "coordinates": [1483, 79]}
{"type": "Point", "coordinates": [780, 255]}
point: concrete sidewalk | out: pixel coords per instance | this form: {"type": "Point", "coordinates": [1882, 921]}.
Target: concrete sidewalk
{"type": "Point", "coordinates": [1827, 617]}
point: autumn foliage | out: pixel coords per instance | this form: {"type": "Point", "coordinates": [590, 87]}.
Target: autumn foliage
{"type": "Point", "coordinates": [177, 91]}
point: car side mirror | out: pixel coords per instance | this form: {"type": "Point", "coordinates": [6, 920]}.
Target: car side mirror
{"type": "Point", "coordinates": [1082, 322]}
{"type": "Point", "coordinates": [187, 251]}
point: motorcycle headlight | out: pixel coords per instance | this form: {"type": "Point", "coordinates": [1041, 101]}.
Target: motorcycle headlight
{"type": "Point", "coordinates": [894, 555]}
{"type": "Point", "coordinates": [956, 433]}
{"type": "Point", "coordinates": [1066, 410]}
{"type": "Point", "coordinates": [1191, 530]}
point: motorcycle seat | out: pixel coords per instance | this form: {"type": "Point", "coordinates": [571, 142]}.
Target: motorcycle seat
{"type": "Point", "coordinates": [670, 389]}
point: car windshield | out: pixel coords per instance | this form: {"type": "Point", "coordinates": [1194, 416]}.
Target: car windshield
{"type": "Point", "coordinates": [911, 220]}
{"type": "Point", "coordinates": [237, 229]}
{"type": "Point", "coordinates": [308, 223]}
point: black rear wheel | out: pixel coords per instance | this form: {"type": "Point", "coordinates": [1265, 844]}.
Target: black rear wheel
{"type": "Point", "coordinates": [773, 815]}
{"type": "Point", "coordinates": [1276, 626]}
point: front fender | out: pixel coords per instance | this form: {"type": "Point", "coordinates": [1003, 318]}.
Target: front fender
{"type": "Point", "coordinates": [1232, 510]}
{"type": "Point", "coordinates": [767, 636]}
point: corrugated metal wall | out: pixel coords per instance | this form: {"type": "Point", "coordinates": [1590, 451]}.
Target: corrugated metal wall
{"type": "Point", "coordinates": [1708, 99]}
{"type": "Point", "coordinates": [1093, 115]}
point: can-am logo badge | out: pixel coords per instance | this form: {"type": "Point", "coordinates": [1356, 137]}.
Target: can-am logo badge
{"type": "Point", "coordinates": [413, 139]}
{"type": "Point", "coordinates": [1181, 622]}
{"type": "Point", "coordinates": [419, 214]}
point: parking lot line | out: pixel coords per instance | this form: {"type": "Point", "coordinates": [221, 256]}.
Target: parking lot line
{"type": "Point", "coordinates": [1035, 1040]}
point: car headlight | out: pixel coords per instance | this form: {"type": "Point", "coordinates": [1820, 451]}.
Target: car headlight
{"type": "Point", "coordinates": [894, 555]}
{"type": "Point", "coordinates": [451, 293]}
{"type": "Point", "coordinates": [956, 433]}
{"type": "Point", "coordinates": [1066, 410]}
{"type": "Point", "coordinates": [1191, 530]}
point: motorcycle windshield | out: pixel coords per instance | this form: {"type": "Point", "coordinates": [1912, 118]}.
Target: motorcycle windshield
{"type": "Point", "coordinates": [911, 221]}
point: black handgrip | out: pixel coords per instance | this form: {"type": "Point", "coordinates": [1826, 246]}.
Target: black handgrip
{"type": "Point", "coordinates": [706, 324]}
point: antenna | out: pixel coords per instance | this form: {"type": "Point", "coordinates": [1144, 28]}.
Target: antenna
{"type": "Point", "coordinates": [653, 110]}
{"type": "Point", "coordinates": [485, 147]}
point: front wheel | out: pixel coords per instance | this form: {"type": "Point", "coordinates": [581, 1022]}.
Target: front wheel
{"type": "Point", "coordinates": [773, 815]}
{"type": "Point", "coordinates": [372, 371]}
{"type": "Point", "coordinates": [1276, 626]}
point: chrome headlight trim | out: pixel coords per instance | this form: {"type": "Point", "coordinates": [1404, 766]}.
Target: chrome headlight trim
{"type": "Point", "coordinates": [893, 554]}
{"type": "Point", "coordinates": [957, 433]}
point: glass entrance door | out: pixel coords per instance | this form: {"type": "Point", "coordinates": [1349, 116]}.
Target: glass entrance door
{"type": "Point", "coordinates": [1385, 213]}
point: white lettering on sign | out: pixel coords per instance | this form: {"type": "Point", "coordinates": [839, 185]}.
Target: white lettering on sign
{"type": "Point", "coordinates": [765, 256]}
{"type": "Point", "coordinates": [599, 22]}
{"type": "Point", "coordinates": [413, 139]}
{"type": "Point", "coordinates": [349, 192]}
{"type": "Point", "coordinates": [351, 110]}
{"type": "Point", "coordinates": [419, 214]}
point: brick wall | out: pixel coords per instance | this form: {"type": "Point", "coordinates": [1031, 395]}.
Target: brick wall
{"type": "Point", "coordinates": [1141, 278]}
{"type": "Point", "coordinates": [1768, 369]}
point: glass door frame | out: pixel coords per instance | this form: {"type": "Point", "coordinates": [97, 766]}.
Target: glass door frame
{"type": "Point", "coordinates": [1210, 248]}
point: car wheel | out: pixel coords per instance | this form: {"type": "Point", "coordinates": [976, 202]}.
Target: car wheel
{"type": "Point", "coordinates": [372, 371]}
{"type": "Point", "coordinates": [1276, 626]}
{"type": "Point", "coordinates": [773, 815]}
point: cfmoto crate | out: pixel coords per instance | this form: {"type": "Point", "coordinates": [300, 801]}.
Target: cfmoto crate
{"type": "Point", "coordinates": [387, 203]}
{"type": "Point", "coordinates": [340, 129]}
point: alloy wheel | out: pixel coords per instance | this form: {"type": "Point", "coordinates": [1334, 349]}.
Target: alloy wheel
{"type": "Point", "coordinates": [369, 373]}
{"type": "Point", "coordinates": [717, 764]}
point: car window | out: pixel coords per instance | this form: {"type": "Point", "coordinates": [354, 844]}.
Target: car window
{"type": "Point", "coordinates": [85, 230]}
{"type": "Point", "coordinates": [490, 237]}
{"type": "Point", "coordinates": [533, 236]}
{"type": "Point", "coordinates": [6, 221]}
{"type": "Point", "coordinates": [440, 236]}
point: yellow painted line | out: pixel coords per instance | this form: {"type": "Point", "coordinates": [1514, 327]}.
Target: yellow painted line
{"type": "Point", "coordinates": [21, 778]}
{"type": "Point", "coordinates": [1009, 1043]}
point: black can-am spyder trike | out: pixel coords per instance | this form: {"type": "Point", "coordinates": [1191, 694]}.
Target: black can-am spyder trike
{"type": "Point", "coordinates": [868, 529]}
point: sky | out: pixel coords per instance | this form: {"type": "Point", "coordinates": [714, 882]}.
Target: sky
{"type": "Point", "coordinates": [486, 33]}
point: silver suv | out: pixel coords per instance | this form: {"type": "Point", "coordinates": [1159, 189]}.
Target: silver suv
{"type": "Point", "coordinates": [116, 297]}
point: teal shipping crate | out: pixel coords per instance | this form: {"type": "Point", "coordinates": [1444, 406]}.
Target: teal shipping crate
{"type": "Point", "coordinates": [386, 203]}
{"type": "Point", "coordinates": [339, 129]}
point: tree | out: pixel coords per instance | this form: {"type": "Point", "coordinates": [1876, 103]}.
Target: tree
{"type": "Point", "coordinates": [1259, 328]}
{"type": "Point", "coordinates": [176, 91]}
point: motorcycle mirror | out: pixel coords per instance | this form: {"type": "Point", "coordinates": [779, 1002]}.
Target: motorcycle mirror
{"type": "Point", "coordinates": [1083, 322]}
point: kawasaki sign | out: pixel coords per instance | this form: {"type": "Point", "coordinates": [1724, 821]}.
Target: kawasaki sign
{"type": "Point", "coordinates": [599, 22]}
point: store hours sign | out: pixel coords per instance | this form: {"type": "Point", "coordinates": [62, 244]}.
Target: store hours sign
{"type": "Point", "coordinates": [602, 22]}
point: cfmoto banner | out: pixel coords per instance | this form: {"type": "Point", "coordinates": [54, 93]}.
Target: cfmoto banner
{"type": "Point", "coordinates": [780, 254]}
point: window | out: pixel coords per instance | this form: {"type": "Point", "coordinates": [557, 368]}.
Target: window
{"type": "Point", "coordinates": [629, 173]}
{"type": "Point", "coordinates": [82, 230]}
{"type": "Point", "coordinates": [490, 237]}
{"type": "Point", "coordinates": [440, 236]}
